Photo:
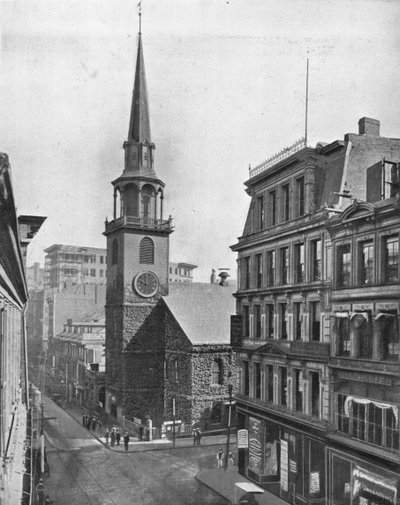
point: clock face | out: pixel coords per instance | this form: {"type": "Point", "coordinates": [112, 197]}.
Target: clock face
{"type": "Point", "coordinates": [146, 284]}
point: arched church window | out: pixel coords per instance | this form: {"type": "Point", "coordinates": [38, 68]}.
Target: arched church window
{"type": "Point", "coordinates": [114, 255]}
{"type": "Point", "coordinates": [147, 201]}
{"type": "Point", "coordinates": [217, 372]}
{"type": "Point", "coordinates": [146, 251]}
{"type": "Point", "coordinates": [131, 200]}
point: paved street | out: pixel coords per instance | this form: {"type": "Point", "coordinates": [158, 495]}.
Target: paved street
{"type": "Point", "coordinates": [84, 471]}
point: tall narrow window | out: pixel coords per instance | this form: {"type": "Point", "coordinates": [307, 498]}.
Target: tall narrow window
{"type": "Point", "coordinates": [259, 270]}
{"type": "Point", "coordinates": [285, 202]}
{"type": "Point", "coordinates": [282, 317]}
{"type": "Point", "coordinates": [391, 258]}
{"type": "Point", "coordinates": [343, 265]}
{"type": "Point", "coordinates": [246, 378]}
{"type": "Point", "coordinates": [146, 251]}
{"type": "Point", "coordinates": [216, 372]}
{"type": "Point", "coordinates": [300, 196]}
{"type": "Point", "coordinates": [297, 320]}
{"type": "Point", "coordinates": [366, 262]}
{"type": "Point", "coordinates": [257, 321]}
{"type": "Point", "coordinates": [260, 213]}
{"type": "Point", "coordinates": [314, 393]}
{"type": "Point", "coordinates": [298, 389]}
{"type": "Point", "coordinates": [257, 380]}
{"type": "Point", "coordinates": [246, 272]}
{"type": "Point", "coordinates": [272, 207]}
{"type": "Point", "coordinates": [283, 386]}
{"type": "Point", "coordinates": [271, 268]}
{"type": "Point", "coordinates": [343, 333]}
{"type": "Point", "coordinates": [316, 260]}
{"type": "Point", "coordinates": [299, 259]}
{"type": "Point", "coordinates": [269, 309]}
{"type": "Point", "coordinates": [246, 319]}
{"type": "Point", "coordinates": [284, 265]}
{"type": "Point", "coordinates": [315, 320]}
{"type": "Point", "coordinates": [270, 383]}
{"type": "Point", "coordinates": [390, 335]}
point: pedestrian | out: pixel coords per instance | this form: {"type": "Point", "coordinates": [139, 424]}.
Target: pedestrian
{"type": "Point", "coordinates": [94, 424]}
{"type": "Point", "coordinates": [141, 428]}
{"type": "Point", "coordinates": [194, 435]}
{"type": "Point", "coordinates": [40, 492]}
{"type": "Point", "coordinates": [117, 437]}
{"type": "Point", "coordinates": [83, 419]}
{"type": "Point", "coordinates": [230, 459]}
{"type": "Point", "coordinates": [112, 437]}
{"type": "Point", "coordinates": [220, 458]}
{"type": "Point", "coordinates": [89, 422]}
{"type": "Point", "coordinates": [106, 435]}
{"type": "Point", "coordinates": [126, 440]}
{"type": "Point", "coordinates": [198, 436]}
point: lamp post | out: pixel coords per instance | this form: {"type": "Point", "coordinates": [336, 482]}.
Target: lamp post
{"type": "Point", "coordinates": [228, 431]}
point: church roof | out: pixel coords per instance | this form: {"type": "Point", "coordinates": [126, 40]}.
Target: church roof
{"type": "Point", "coordinates": [139, 124]}
{"type": "Point", "coordinates": [203, 311]}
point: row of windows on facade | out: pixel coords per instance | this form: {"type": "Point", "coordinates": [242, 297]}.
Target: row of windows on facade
{"type": "Point", "coordinates": [77, 257]}
{"type": "Point", "coordinates": [146, 251]}
{"type": "Point", "coordinates": [279, 204]}
{"type": "Point", "coordinates": [180, 271]}
{"type": "Point", "coordinates": [300, 391]}
{"type": "Point", "coordinates": [217, 371]}
{"type": "Point", "coordinates": [252, 268]}
{"type": "Point", "coordinates": [78, 352]}
{"type": "Point", "coordinates": [73, 272]}
{"type": "Point", "coordinates": [364, 258]}
{"type": "Point", "coordinates": [79, 329]}
{"type": "Point", "coordinates": [273, 323]}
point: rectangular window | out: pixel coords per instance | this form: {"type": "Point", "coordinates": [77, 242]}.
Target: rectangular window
{"type": "Point", "coordinates": [282, 317]}
{"type": "Point", "coordinates": [272, 207]}
{"type": "Point", "coordinates": [271, 268]}
{"type": "Point", "coordinates": [300, 196]}
{"type": "Point", "coordinates": [298, 390]}
{"type": "Point", "coordinates": [391, 258]}
{"type": "Point", "coordinates": [92, 272]}
{"type": "Point", "coordinates": [257, 321]}
{"type": "Point", "coordinates": [297, 320]}
{"type": "Point", "coordinates": [257, 381]}
{"type": "Point", "coordinates": [101, 273]}
{"type": "Point", "coordinates": [269, 309]}
{"type": "Point", "coordinates": [315, 317]}
{"type": "Point", "coordinates": [101, 259]}
{"type": "Point", "coordinates": [282, 386]}
{"type": "Point", "coordinates": [314, 393]}
{"type": "Point", "coordinates": [390, 334]}
{"type": "Point", "coordinates": [343, 265]}
{"type": "Point", "coordinates": [246, 273]}
{"type": "Point", "coordinates": [366, 262]}
{"type": "Point", "coordinates": [299, 260]}
{"type": "Point", "coordinates": [316, 260]}
{"type": "Point", "coordinates": [285, 202]}
{"type": "Point", "coordinates": [259, 270]}
{"type": "Point", "coordinates": [270, 383]}
{"type": "Point", "coordinates": [284, 265]}
{"type": "Point", "coordinates": [260, 213]}
{"type": "Point", "coordinates": [246, 378]}
{"type": "Point", "coordinates": [246, 319]}
{"type": "Point", "coordinates": [343, 333]}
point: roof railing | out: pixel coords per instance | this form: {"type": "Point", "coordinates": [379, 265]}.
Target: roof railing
{"type": "Point", "coordinates": [281, 155]}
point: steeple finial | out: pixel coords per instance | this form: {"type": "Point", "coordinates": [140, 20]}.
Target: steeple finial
{"type": "Point", "coordinates": [140, 16]}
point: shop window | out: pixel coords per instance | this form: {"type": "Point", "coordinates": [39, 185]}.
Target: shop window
{"type": "Point", "coordinates": [366, 263]}
{"type": "Point", "coordinates": [343, 333]}
{"type": "Point", "coordinates": [315, 309]}
{"type": "Point", "coordinates": [297, 320]}
{"type": "Point", "coordinates": [298, 390]}
{"type": "Point", "coordinates": [269, 309]}
{"type": "Point", "coordinates": [390, 335]}
{"type": "Point", "coordinates": [391, 258]}
{"type": "Point", "coordinates": [271, 268]}
{"type": "Point", "coordinates": [392, 430]}
{"type": "Point", "coordinates": [257, 381]}
{"type": "Point", "coordinates": [300, 196]}
{"type": "Point", "coordinates": [260, 213]}
{"type": "Point", "coordinates": [343, 265]}
{"type": "Point", "coordinates": [284, 265]}
{"type": "Point", "coordinates": [257, 321]}
{"type": "Point", "coordinates": [246, 320]}
{"type": "Point", "coordinates": [285, 202]}
{"type": "Point", "coordinates": [114, 254]}
{"type": "Point", "coordinates": [272, 207]}
{"type": "Point", "coordinates": [217, 375]}
{"type": "Point", "coordinates": [282, 386]}
{"type": "Point", "coordinates": [314, 393]}
{"type": "Point", "coordinates": [299, 262]}
{"type": "Point", "coordinates": [259, 270]}
{"type": "Point", "coordinates": [283, 323]}
{"type": "Point", "coordinates": [358, 420]}
{"type": "Point", "coordinates": [146, 251]}
{"type": "Point", "coordinates": [270, 383]}
{"type": "Point", "coordinates": [246, 378]}
{"type": "Point", "coordinates": [341, 481]}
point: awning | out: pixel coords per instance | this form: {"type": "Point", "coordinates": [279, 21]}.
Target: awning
{"type": "Point", "coordinates": [384, 314]}
{"type": "Point", "coordinates": [375, 484]}
{"type": "Point", "coordinates": [361, 314]}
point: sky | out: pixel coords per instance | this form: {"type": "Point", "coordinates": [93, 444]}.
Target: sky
{"type": "Point", "coordinates": [226, 85]}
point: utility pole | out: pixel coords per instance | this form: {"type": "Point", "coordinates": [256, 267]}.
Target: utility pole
{"type": "Point", "coordinates": [228, 431]}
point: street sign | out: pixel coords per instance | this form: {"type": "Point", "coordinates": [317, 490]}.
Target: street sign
{"type": "Point", "coordinates": [242, 439]}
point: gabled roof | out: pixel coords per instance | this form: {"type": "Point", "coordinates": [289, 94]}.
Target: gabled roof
{"type": "Point", "coordinates": [203, 311]}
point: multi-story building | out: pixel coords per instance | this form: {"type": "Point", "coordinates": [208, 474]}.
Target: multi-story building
{"type": "Point", "coordinates": [181, 272]}
{"type": "Point", "coordinates": [282, 331]}
{"type": "Point", "coordinates": [77, 358]}
{"type": "Point", "coordinates": [70, 265]}
{"type": "Point", "coordinates": [16, 476]}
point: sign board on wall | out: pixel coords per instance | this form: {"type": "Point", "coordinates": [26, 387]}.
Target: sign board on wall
{"type": "Point", "coordinates": [284, 465]}
{"type": "Point", "coordinates": [242, 439]}
{"type": "Point", "coordinates": [255, 445]}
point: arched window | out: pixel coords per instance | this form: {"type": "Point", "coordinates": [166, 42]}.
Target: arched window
{"type": "Point", "coordinates": [217, 372]}
{"type": "Point", "coordinates": [131, 200]}
{"type": "Point", "coordinates": [114, 255]}
{"type": "Point", "coordinates": [148, 202]}
{"type": "Point", "coordinates": [146, 251]}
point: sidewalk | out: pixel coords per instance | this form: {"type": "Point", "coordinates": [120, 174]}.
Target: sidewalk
{"type": "Point", "coordinates": [223, 483]}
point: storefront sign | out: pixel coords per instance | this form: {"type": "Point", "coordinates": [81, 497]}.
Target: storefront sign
{"type": "Point", "coordinates": [284, 465]}
{"type": "Point", "coordinates": [387, 306]}
{"type": "Point", "coordinates": [242, 439]}
{"type": "Point", "coordinates": [373, 484]}
{"type": "Point", "coordinates": [314, 482]}
{"type": "Point", "coordinates": [255, 445]}
{"type": "Point", "coordinates": [293, 466]}
{"type": "Point", "coordinates": [363, 307]}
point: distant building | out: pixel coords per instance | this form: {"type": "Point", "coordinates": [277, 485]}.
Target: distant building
{"type": "Point", "coordinates": [35, 277]}
{"type": "Point", "coordinates": [67, 265]}
{"type": "Point", "coordinates": [181, 272]}
{"type": "Point", "coordinates": [16, 480]}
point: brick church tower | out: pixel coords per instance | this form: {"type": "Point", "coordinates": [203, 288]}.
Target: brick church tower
{"type": "Point", "coordinates": [137, 271]}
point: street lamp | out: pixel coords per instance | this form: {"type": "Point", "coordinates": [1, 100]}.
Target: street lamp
{"type": "Point", "coordinates": [228, 431]}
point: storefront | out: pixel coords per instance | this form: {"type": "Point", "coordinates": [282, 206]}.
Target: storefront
{"type": "Point", "coordinates": [357, 482]}
{"type": "Point", "coordinates": [287, 462]}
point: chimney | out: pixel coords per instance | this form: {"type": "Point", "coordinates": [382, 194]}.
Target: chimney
{"type": "Point", "coordinates": [369, 126]}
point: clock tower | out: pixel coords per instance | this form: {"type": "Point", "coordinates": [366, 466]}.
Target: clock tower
{"type": "Point", "coordinates": [137, 270]}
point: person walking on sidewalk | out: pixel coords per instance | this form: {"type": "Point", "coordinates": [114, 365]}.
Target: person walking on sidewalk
{"type": "Point", "coordinates": [220, 458]}
{"type": "Point", "coordinates": [194, 435]}
{"type": "Point", "coordinates": [230, 459]}
{"type": "Point", "coordinates": [107, 435]}
{"type": "Point", "coordinates": [117, 437]}
{"type": "Point", "coordinates": [126, 440]}
{"type": "Point", "coordinates": [112, 437]}
{"type": "Point", "coordinates": [198, 436]}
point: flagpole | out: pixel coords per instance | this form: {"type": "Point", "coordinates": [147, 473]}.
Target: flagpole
{"type": "Point", "coordinates": [306, 112]}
